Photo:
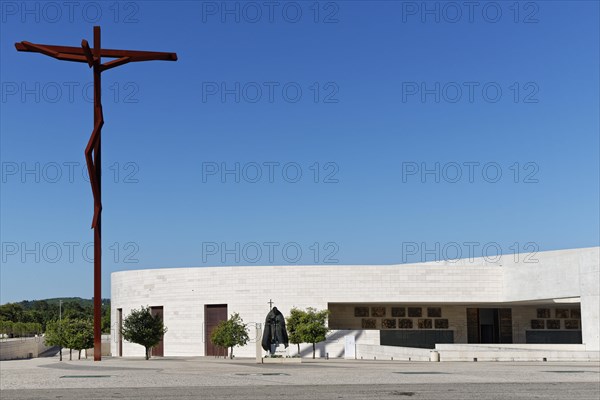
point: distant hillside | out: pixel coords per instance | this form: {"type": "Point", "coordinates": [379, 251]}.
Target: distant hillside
{"type": "Point", "coordinates": [46, 310]}
{"type": "Point", "coordinates": [84, 303]}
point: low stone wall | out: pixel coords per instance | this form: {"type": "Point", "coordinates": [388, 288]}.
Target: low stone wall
{"type": "Point", "coordinates": [371, 352]}
{"type": "Point", "coordinates": [509, 346]}
{"type": "Point", "coordinates": [20, 348]}
{"type": "Point", "coordinates": [480, 352]}
{"type": "Point", "coordinates": [516, 352]}
{"type": "Point", "coordinates": [105, 348]}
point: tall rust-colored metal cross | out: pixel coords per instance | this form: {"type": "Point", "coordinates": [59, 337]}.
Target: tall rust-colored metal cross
{"type": "Point", "coordinates": [93, 57]}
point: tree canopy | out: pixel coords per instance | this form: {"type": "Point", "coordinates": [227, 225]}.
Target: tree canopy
{"type": "Point", "coordinates": [55, 334]}
{"type": "Point", "coordinates": [307, 326]}
{"type": "Point", "coordinates": [19, 329]}
{"type": "Point", "coordinates": [292, 322]}
{"type": "Point", "coordinates": [79, 334]}
{"type": "Point", "coordinates": [230, 333]}
{"type": "Point", "coordinates": [73, 334]}
{"type": "Point", "coordinates": [141, 327]}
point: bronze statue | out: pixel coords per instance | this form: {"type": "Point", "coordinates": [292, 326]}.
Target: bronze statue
{"type": "Point", "coordinates": [275, 333]}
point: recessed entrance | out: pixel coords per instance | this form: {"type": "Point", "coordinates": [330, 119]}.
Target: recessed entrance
{"type": "Point", "coordinates": [489, 325]}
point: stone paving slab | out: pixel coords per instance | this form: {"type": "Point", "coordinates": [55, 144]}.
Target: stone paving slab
{"type": "Point", "coordinates": [436, 391]}
{"type": "Point", "coordinates": [49, 373]}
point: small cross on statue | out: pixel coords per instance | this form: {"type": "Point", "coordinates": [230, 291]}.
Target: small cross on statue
{"type": "Point", "coordinates": [270, 304]}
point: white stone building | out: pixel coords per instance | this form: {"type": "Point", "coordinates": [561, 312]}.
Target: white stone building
{"type": "Point", "coordinates": [546, 308]}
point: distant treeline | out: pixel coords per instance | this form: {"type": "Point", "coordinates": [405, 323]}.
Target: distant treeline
{"type": "Point", "coordinates": [20, 329]}
{"type": "Point", "coordinates": [41, 312]}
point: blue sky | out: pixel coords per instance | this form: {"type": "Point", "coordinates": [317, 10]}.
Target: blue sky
{"type": "Point", "coordinates": [350, 132]}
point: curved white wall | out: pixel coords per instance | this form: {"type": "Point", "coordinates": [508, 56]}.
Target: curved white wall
{"type": "Point", "coordinates": [183, 292]}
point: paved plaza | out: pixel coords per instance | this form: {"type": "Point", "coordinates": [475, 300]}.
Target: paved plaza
{"type": "Point", "coordinates": [209, 378]}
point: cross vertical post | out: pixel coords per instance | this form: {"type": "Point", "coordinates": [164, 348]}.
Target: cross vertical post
{"type": "Point", "coordinates": [98, 228]}
{"type": "Point", "coordinates": [93, 153]}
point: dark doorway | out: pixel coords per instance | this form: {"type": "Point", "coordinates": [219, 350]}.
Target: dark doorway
{"type": "Point", "coordinates": [159, 349]}
{"type": "Point", "coordinates": [119, 328]}
{"type": "Point", "coordinates": [213, 314]}
{"type": "Point", "coordinates": [489, 325]}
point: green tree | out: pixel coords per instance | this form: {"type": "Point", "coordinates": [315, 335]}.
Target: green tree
{"type": "Point", "coordinates": [6, 328]}
{"type": "Point", "coordinates": [35, 316]}
{"type": "Point", "coordinates": [55, 335]}
{"type": "Point", "coordinates": [29, 329]}
{"type": "Point", "coordinates": [105, 318]}
{"type": "Point", "coordinates": [292, 322]}
{"type": "Point", "coordinates": [20, 329]}
{"type": "Point", "coordinates": [74, 310]}
{"type": "Point", "coordinates": [79, 335]}
{"type": "Point", "coordinates": [312, 327]}
{"type": "Point", "coordinates": [142, 328]}
{"type": "Point", "coordinates": [230, 333]}
{"type": "Point", "coordinates": [11, 312]}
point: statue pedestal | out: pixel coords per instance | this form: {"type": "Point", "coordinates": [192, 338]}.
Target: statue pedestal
{"type": "Point", "coordinates": [281, 356]}
{"type": "Point", "coordinates": [279, 351]}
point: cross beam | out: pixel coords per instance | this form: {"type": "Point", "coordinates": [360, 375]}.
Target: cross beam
{"type": "Point", "coordinates": [93, 57]}
{"type": "Point", "coordinates": [78, 54]}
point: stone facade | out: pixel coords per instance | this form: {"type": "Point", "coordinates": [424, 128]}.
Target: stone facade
{"type": "Point", "coordinates": [558, 280]}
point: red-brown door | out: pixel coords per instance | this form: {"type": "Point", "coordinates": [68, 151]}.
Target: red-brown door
{"type": "Point", "coordinates": [120, 327]}
{"type": "Point", "coordinates": [159, 349]}
{"type": "Point", "coordinates": [213, 314]}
